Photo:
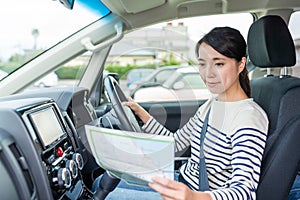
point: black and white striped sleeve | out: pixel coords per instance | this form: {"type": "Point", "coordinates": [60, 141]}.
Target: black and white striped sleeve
{"type": "Point", "coordinates": [181, 136]}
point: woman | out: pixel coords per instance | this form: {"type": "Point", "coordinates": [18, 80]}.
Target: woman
{"type": "Point", "coordinates": [237, 126]}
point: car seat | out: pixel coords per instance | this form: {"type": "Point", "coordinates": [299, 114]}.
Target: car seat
{"type": "Point", "coordinates": [270, 45]}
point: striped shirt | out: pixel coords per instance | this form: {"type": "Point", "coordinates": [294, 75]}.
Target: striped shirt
{"type": "Point", "coordinates": [233, 147]}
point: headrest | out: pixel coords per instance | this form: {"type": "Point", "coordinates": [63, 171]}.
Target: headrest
{"type": "Point", "coordinates": [270, 43]}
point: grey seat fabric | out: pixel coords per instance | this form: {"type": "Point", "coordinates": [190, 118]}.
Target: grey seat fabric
{"type": "Point", "coordinates": [270, 45]}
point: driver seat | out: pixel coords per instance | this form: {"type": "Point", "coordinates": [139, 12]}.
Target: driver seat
{"type": "Point", "coordinates": [270, 45]}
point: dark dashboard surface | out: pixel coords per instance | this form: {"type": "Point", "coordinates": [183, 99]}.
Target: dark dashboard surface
{"type": "Point", "coordinates": [66, 98]}
{"type": "Point", "coordinates": [42, 148]}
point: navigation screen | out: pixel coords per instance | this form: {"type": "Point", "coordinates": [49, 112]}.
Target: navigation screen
{"type": "Point", "coordinates": [47, 125]}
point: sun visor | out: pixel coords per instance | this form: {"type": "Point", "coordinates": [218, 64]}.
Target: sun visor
{"type": "Point", "coordinates": [132, 6]}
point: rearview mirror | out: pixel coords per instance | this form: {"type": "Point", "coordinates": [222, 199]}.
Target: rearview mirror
{"type": "Point", "coordinates": [67, 3]}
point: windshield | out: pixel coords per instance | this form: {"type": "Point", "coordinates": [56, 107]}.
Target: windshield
{"type": "Point", "coordinates": [30, 27]}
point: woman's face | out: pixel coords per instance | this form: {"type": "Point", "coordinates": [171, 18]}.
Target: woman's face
{"type": "Point", "coordinates": [220, 73]}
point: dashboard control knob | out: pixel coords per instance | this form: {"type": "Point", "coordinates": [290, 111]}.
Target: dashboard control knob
{"type": "Point", "coordinates": [77, 157]}
{"type": "Point", "coordinates": [64, 178]}
{"type": "Point", "coordinates": [72, 167]}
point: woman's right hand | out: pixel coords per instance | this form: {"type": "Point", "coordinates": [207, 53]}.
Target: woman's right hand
{"type": "Point", "coordinates": [137, 109]}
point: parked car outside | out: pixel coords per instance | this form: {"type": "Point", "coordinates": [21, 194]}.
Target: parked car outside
{"type": "Point", "coordinates": [157, 77]}
{"type": "Point", "coordinates": [183, 84]}
{"type": "Point", "coordinates": [49, 80]}
{"type": "Point", "coordinates": [136, 75]}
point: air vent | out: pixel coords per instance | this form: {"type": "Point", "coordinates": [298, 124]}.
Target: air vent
{"type": "Point", "coordinates": [8, 189]}
{"type": "Point", "coordinates": [15, 179]}
{"type": "Point", "coordinates": [71, 131]}
{"type": "Point", "coordinates": [24, 167]}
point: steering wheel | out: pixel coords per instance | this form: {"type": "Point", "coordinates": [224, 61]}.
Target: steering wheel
{"type": "Point", "coordinates": [123, 113]}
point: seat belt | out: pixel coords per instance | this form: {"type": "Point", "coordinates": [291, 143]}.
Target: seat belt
{"type": "Point", "coordinates": [203, 179]}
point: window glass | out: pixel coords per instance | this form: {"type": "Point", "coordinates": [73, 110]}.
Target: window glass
{"type": "Point", "coordinates": [163, 76]}
{"type": "Point", "coordinates": [171, 43]}
{"type": "Point", "coordinates": [30, 27]}
{"type": "Point", "coordinates": [193, 81]}
{"type": "Point", "coordinates": [67, 74]}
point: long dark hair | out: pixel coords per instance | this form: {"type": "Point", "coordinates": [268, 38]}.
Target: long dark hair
{"type": "Point", "coordinates": [230, 43]}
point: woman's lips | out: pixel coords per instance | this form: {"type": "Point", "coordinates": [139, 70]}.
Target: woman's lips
{"type": "Point", "coordinates": [211, 84]}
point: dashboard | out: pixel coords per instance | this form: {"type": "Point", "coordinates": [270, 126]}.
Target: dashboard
{"type": "Point", "coordinates": [43, 150]}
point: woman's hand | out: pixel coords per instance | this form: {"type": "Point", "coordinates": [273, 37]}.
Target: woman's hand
{"type": "Point", "coordinates": [170, 189]}
{"type": "Point", "coordinates": [137, 109]}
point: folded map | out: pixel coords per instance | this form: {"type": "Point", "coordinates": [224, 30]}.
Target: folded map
{"type": "Point", "coordinates": [133, 157]}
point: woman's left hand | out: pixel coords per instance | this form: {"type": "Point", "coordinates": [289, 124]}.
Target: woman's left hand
{"type": "Point", "coordinates": [170, 189]}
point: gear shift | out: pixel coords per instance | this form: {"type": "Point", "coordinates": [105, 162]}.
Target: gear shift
{"type": "Point", "coordinates": [107, 184]}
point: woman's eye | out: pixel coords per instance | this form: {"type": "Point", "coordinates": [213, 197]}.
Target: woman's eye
{"type": "Point", "coordinates": [219, 64]}
{"type": "Point", "coordinates": [201, 64]}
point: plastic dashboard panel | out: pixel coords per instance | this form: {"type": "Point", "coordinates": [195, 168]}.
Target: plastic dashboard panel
{"type": "Point", "coordinates": [13, 183]}
{"type": "Point", "coordinates": [66, 98]}
{"type": "Point", "coordinates": [11, 123]}
{"type": "Point", "coordinates": [72, 106]}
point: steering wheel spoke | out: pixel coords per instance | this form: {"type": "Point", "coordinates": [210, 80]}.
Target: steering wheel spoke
{"type": "Point", "coordinates": [124, 114]}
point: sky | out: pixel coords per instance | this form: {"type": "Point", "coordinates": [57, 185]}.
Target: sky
{"type": "Point", "coordinates": [18, 18]}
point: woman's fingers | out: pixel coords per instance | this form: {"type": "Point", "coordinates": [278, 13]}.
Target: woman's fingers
{"type": "Point", "coordinates": [170, 189]}
{"type": "Point", "coordinates": [130, 103]}
{"type": "Point", "coordinates": [166, 182]}
{"type": "Point", "coordinates": [137, 109]}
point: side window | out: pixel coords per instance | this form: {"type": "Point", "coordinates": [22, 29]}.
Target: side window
{"type": "Point", "coordinates": [163, 76]}
{"type": "Point", "coordinates": [193, 81]}
{"type": "Point", "coordinates": [166, 45]}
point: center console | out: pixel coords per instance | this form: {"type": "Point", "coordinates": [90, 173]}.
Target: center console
{"type": "Point", "coordinates": [50, 134]}
{"type": "Point", "coordinates": [45, 140]}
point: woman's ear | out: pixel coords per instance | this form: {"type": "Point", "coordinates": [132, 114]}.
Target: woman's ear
{"type": "Point", "coordinates": [242, 64]}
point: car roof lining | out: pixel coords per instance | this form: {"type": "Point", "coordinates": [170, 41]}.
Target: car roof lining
{"type": "Point", "coordinates": [130, 6]}
{"type": "Point", "coordinates": [191, 8]}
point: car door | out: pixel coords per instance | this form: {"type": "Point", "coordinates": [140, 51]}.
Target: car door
{"type": "Point", "coordinates": [173, 115]}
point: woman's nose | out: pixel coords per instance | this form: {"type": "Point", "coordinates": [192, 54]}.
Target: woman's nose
{"type": "Point", "coordinates": [210, 71]}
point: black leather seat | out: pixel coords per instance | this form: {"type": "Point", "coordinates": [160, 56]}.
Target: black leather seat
{"type": "Point", "coordinates": [270, 45]}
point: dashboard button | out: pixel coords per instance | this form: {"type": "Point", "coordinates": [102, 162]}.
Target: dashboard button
{"type": "Point", "coordinates": [59, 151]}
